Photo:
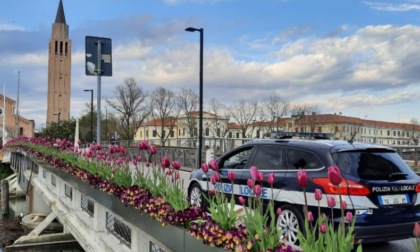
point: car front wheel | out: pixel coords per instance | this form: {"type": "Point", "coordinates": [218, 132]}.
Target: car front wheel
{"type": "Point", "coordinates": [195, 194]}
{"type": "Point", "coordinates": [289, 222]}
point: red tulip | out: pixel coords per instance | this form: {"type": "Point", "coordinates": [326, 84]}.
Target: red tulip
{"type": "Point", "coordinates": [204, 167]}
{"type": "Point", "coordinates": [212, 192]}
{"type": "Point", "coordinates": [214, 165]}
{"type": "Point", "coordinates": [241, 200]}
{"type": "Point", "coordinates": [416, 230]}
{"type": "Point", "coordinates": [323, 228]}
{"type": "Point", "coordinates": [231, 176]}
{"type": "Point", "coordinates": [176, 165]}
{"type": "Point", "coordinates": [254, 172]}
{"type": "Point", "coordinates": [334, 175]}
{"type": "Point", "coordinates": [271, 179]}
{"type": "Point", "coordinates": [318, 194]}
{"type": "Point", "coordinates": [257, 190]}
{"type": "Point", "coordinates": [349, 217]}
{"type": "Point", "coordinates": [250, 183]}
{"type": "Point", "coordinates": [331, 201]}
{"type": "Point", "coordinates": [302, 178]}
{"type": "Point", "coordinates": [310, 216]}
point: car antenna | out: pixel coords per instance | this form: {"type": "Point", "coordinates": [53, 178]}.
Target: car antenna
{"type": "Point", "coordinates": [351, 140]}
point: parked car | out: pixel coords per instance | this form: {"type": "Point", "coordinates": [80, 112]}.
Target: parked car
{"type": "Point", "coordinates": [378, 186]}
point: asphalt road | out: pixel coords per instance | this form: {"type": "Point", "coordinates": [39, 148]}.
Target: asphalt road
{"type": "Point", "coordinates": [393, 246]}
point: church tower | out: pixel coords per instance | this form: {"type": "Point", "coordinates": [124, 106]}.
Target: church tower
{"type": "Point", "coordinates": [59, 70]}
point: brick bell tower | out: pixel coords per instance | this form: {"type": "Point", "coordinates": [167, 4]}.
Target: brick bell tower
{"type": "Point", "coordinates": [59, 70]}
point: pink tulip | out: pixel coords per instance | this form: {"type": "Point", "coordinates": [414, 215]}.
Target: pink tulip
{"type": "Point", "coordinates": [217, 176]}
{"type": "Point", "coordinates": [260, 176]}
{"type": "Point", "coordinates": [310, 216]}
{"type": "Point", "coordinates": [250, 183]}
{"type": "Point", "coordinates": [176, 165]}
{"type": "Point", "coordinates": [344, 204]}
{"type": "Point", "coordinates": [241, 200]}
{"type": "Point", "coordinates": [134, 162]}
{"type": "Point", "coordinates": [334, 175]}
{"type": "Point", "coordinates": [331, 201]}
{"type": "Point", "coordinates": [177, 176]}
{"type": "Point", "coordinates": [271, 179]}
{"type": "Point", "coordinates": [349, 217]}
{"type": "Point", "coordinates": [231, 176]}
{"type": "Point", "coordinates": [212, 192]}
{"type": "Point", "coordinates": [302, 178]}
{"type": "Point", "coordinates": [318, 194]}
{"type": "Point", "coordinates": [323, 228]}
{"type": "Point", "coordinates": [416, 231]}
{"type": "Point", "coordinates": [213, 180]}
{"type": "Point", "coordinates": [257, 190]}
{"type": "Point", "coordinates": [214, 165]}
{"type": "Point", "coordinates": [204, 167]}
{"type": "Point", "coordinates": [139, 158]}
{"type": "Point", "coordinates": [153, 149]}
{"type": "Point", "coordinates": [147, 164]}
{"type": "Point", "coordinates": [254, 172]}
{"type": "Point", "coordinates": [127, 159]}
{"type": "Point", "coordinates": [278, 211]}
{"type": "Point", "coordinates": [165, 163]}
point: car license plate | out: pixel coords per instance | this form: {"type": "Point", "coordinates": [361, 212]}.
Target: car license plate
{"type": "Point", "coordinates": [394, 199]}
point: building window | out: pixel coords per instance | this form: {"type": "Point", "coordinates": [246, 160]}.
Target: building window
{"type": "Point", "coordinates": [319, 129]}
{"type": "Point", "coordinates": [230, 135]}
{"type": "Point", "coordinates": [218, 132]}
{"type": "Point", "coordinates": [207, 132]}
{"type": "Point", "coordinates": [154, 133]}
{"type": "Point", "coordinates": [336, 128]}
{"type": "Point", "coordinates": [237, 134]}
{"type": "Point", "coordinates": [172, 133]}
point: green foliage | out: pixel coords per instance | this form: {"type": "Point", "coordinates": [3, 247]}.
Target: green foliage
{"type": "Point", "coordinates": [174, 193]}
{"type": "Point", "coordinates": [64, 130]}
{"type": "Point", "coordinates": [261, 226]}
{"type": "Point", "coordinates": [222, 209]}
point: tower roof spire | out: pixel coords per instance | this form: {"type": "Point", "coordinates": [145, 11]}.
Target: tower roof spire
{"type": "Point", "coordinates": [60, 18]}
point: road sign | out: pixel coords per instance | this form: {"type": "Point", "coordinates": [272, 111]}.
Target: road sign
{"type": "Point", "coordinates": [98, 48]}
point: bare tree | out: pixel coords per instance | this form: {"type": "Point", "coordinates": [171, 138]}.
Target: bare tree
{"type": "Point", "coordinates": [220, 112]}
{"type": "Point", "coordinates": [130, 102]}
{"type": "Point", "coordinates": [414, 135]}
{"type": "Point", "coordinates": [188, 103]}
{"type": "Point", "coordinates": [305, 116]}
{"type": "Point", "coordinates": [165, 109]}
{"type": "Point", "coordinates": [273, 108]}
{"type": "Point", "coordinates": [244, 114]}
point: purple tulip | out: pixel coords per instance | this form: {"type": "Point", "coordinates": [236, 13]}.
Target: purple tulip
{"type": "Point", "coordinates": [214, 165]}
{"type": "Point", "coordinates": [310, 216]}
{"type": "Point", "coordinates": [349, 217]}
{"type": "Point", "coordinates": [176, 165]}
{"type": "Point", "coordinates": [153, 149]}
{"type": "Point", "coordinates": [165, 162]}
{"type": "Point", "coordinates": [323, 228]}
{"type": "Point", "coordinates": [231, 176]}
{"type": "Point", "coordinates": [241, 200]}
{"type": "Point", "coordinates": [204, 167]}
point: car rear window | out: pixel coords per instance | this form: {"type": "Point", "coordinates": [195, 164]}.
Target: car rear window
{"type": "Point", "coordinates": [373, 165]}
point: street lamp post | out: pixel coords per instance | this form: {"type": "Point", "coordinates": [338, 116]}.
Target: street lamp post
{"type": "Point", "coordinates": [200, 119]}
{"type": "Point", "coordinates": [91, 113]}
{"type": "Point", "coordinates": [106, 123]}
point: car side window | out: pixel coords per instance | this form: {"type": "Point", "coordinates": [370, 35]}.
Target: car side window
{"type": "Point", "coordinates": [300, 159]}
{"type": "Point", "coordinates": [269, 157]}
{"type": "Point", "coordinates": [237, 159]}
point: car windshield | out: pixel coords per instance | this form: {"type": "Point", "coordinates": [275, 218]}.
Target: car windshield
{"type": "Point", "coordinates": [373, 165]}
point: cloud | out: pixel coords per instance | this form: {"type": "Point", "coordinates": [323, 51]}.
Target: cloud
{"type": "Point", "coordinates": [381, 6]}
{"type": "Point", "coordinates": [10, 27]}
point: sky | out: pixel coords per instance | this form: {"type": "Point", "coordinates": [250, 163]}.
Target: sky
{"type": "Point", "coordinates": [358, 58]}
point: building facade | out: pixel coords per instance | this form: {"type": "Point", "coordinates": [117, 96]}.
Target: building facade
{"type": "Point", "coordinates": [178, 132]}
{"type": "Point", "coordinates": [14, 125]}
{"type": "Point", "coordinates": [59, 70]}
